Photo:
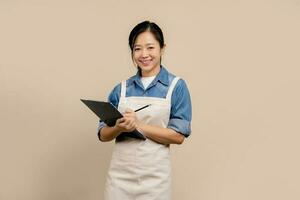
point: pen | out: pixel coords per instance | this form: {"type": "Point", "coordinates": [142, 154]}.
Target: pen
{"type": "Point", "coordinates": [142, 108]}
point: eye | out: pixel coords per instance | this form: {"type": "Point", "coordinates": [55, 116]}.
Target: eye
{"type": "Point", "coordinates": [150, 47]}
{"type": "Point", "coordinates": [137, 49]}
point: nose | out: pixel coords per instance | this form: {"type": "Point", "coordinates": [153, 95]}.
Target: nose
{"type": "Point", "coordinates": [145, 53]}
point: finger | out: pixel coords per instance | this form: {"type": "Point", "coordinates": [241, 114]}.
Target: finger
{"type": "Point", "coordinates": [134, 125]}
{"type": "Point", "coordinates": [125, 115]}
{"type": "Point", "coordinates": [128, 110]}
{"type": "Point", "coordinates": [131, 125]}
{"type": "Point", "coordinates": [130, 114]}
{"type": "Point", "coordinates": [127, 122]}
{"type": "Point", "coordinates": [129, 117]}
{"type": "Point", "coordinates": [121, 125]}
{"type": "Point", "coordinates": [121, 120]}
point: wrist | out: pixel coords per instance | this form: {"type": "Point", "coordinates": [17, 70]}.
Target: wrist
{"type": "Point", "coordinates": [117, 130]}
{"type": "Point", "coordinates": [141, 128]}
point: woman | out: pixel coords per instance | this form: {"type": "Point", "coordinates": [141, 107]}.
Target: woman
{"type": "Point", "coordinates": [140, 169]}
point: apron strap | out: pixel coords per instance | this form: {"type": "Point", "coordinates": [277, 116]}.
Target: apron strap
{"type": "Point", "coordinates": [123, 89]}
{"type": "Point", "coordinates": [171, 88]}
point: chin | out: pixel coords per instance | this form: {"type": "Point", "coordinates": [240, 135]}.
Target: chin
{"type": "Point", "coordinates": [146, 68]}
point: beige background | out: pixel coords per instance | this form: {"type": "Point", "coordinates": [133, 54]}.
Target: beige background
{"type": "Point", "coordinates": [240, 60]}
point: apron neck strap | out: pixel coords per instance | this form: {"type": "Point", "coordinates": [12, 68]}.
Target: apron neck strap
{"type": "Point", "coordinates": [123, 89]}
{"type": "Point", "coordinates": [171, 88]}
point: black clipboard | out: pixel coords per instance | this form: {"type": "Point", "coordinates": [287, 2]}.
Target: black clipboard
{"type": "Point", "coordinates": [109, 114]}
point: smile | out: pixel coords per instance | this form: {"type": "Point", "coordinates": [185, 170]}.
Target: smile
{"type": "Point", "coordinates": [145, 62]}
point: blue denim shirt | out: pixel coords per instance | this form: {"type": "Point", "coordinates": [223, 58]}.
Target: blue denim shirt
{"type": "Point", "coordinates": [181, 108]}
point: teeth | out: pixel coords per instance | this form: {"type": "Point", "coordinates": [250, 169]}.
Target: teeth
{"type": "Point", "coordinates": [145, 61]}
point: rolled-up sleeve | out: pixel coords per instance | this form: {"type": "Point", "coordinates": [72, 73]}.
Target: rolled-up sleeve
{"type": "Point", "coordinates": [181, 109]}
{"type": "Point", "coordinates": [101, 125]}
{"type": "Point", "coordinates": [113, 98]}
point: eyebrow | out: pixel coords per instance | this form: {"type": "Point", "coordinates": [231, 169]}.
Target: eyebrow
{"type": "Point", "coordinates": [146, 44]}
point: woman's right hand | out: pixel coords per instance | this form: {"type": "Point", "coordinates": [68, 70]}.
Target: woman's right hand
{"type": "Point", "coordinates": [127, 123]}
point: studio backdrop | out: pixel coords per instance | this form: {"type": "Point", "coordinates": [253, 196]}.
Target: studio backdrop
{"type": "Point", "coordinates": [240, 60]}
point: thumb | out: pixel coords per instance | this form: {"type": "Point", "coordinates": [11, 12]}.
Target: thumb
{"type": "Point", "coordinates": [128, 110]}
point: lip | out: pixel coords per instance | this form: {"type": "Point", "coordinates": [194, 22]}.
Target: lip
{"type": "Point", "coordinates": [145, 62]}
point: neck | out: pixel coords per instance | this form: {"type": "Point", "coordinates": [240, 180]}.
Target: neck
{"type": "Point", "coordinates": [153, 72]}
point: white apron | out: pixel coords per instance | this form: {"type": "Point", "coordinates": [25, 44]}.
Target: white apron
{"type": "Point", "coordinates": [140, 169]}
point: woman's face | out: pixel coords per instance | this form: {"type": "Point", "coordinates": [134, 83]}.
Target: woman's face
{"type": "Point", "coordinates": [147, 53]}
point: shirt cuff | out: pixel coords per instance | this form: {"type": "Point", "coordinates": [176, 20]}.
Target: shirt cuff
{"type": "Point", "coordinates": [101, 125]}
{"type": "Point", "coordinates": [181, 126]}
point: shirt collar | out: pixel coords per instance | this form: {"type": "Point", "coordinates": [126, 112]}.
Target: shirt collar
{"type": "Point", "coordinates": [162, 76]}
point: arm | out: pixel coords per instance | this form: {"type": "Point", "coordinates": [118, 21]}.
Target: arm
{"type": "Point", "coordinates": [161, 135]}
{"type": "Point", "coordinates": [180, 118]}
{"type": "Point", "coordinates": [129, 122]}
{"type": "Point", "coordinates": [107, 133]}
